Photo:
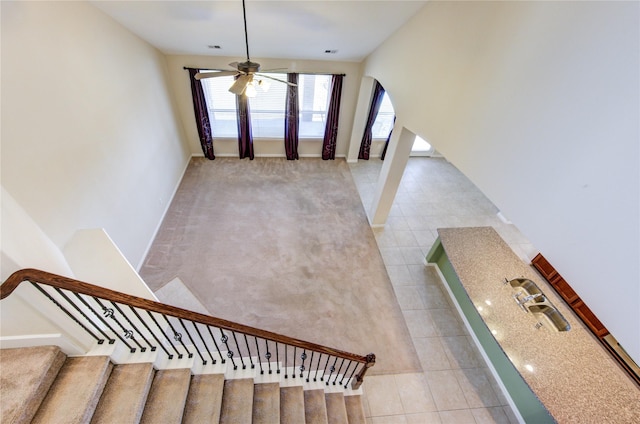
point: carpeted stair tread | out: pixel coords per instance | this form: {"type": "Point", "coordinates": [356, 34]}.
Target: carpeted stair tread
{"type": "Point", "coordinates": [204, 400]}
{"type": "Point", "coordinates": [336, 410]}
{"type": "Point", "coordinates": [237, 401]}
{"type": "Point", "coordinates": [355, 409]}
{"type": "Point", "coordinates": [25, 377]}
{"type": "Point", "coordinates": [92, 389]}
{"type": "Point", "coordinates": [315, 407]}
{"type": "Point", "coordinates": [291, 405]}
{"type": "Point", "coordinates": [167, 397]}
{"type": "Point", "coordinates": [125, 394]}
{"type": "Point", "coordinates": [77, 387]}
{"type": "Point", "coordinates": [266, 403]}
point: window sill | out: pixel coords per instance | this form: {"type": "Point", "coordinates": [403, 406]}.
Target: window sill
{"type": "Point", "coordinates": [265, 139]}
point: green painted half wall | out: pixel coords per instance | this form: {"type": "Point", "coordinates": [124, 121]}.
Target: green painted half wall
{"type": "Point", "coordinates": [525, 400]}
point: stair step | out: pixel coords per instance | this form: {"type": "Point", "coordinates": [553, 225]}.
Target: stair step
{"type": "Point", "coordinates": [355, 410]}
{"type": "Point", "coordinates": [167, 396]}
{"type": "Point", "coordinates": [204, 400]}
{"type": "Point", "coordinates": [266, 403]}
{"type": "Point", "coordinates": [27, 374]}
{"type": "Point", "coordinates": [315, 407]}
{"type": "Point", "coordinates": [291, 405]}
{"type": "Point", "coordinates": [42, 385]}
{"type": "Point", "coordinates": [125, 394]}
{"type": "Point", "coordinates": [336, 410]}
{"type": "Point", "coordinates": [237, 401]}
{"type": "Point", "coordinates": [77, 387]}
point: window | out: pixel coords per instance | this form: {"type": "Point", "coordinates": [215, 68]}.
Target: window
{"type": "Point", "coordinates": [313, 101]}
{"type": "Point", "coordinates": [267, 109]}
{"type": "Point", "coordinates": [222, 106]}
{"type": "Point", "coordinates": [421, 147]}
{"type": "Point", "coordinates": [384, 120]}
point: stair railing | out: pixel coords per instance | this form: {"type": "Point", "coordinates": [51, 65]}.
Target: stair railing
{"type": "Point", "coordinates": [142, 324]}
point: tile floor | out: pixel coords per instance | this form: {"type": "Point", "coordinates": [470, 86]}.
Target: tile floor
{"type": "Point", "coordinates": [456, 385]}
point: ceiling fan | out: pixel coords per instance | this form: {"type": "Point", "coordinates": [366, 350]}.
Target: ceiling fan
{"type": "Point", "coordinates": [245, 71]}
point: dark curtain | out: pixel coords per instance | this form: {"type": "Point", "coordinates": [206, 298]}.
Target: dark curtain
{"type": "Point", "coordinates": [376, 100]}
{"type": "Point", "coordinates": [291, 118]}
{"type": "Point", "coordinates": [386, 143]}
{"type": "Point", "coordinates": [245, 139]}
{"type": "Point", "coordinates": [331, 127]}
{"type": "Point", "coordinates": [202, 115]}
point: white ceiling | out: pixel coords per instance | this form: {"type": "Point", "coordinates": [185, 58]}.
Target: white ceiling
{"type": "Point", "coordinates": [296, 29]}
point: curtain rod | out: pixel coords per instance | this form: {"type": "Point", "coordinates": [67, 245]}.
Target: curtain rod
{"type": "Point", "coordinates": [268, 72]}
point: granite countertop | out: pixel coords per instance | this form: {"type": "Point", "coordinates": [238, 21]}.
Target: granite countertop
{"type": "Point", "coordinates": [572, 374]}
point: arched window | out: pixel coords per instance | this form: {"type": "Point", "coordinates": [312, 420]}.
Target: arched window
{"type": "Point", "coordinates": [383, 124]}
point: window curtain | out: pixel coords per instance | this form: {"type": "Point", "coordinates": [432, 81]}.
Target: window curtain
{"type": "Point", "coordinates": [245, 139]}
{"type": "Point", "coordinates": [367, 137]}
{"type": "Point", "coordinates": [333, 113]}
{"type": "Point", "coordinates": [386, 143]}
{"type": "Point", "coordinates": [291, 117]}
{"type": "Point", "coordinates": [202, 115]}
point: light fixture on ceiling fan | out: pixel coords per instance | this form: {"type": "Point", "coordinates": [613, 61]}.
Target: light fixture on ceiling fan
{"type": "Point", "coordinates": [245, 71]}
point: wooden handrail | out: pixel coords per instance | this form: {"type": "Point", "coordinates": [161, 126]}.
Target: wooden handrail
{"type": "Point", "coordinates": [53, 280]}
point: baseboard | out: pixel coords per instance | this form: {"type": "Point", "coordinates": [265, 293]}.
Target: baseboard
{"type": "Point", "coordinates": [68, 347]}
{"type": "Point", "coordinates": [269, 155]}
{"type": "Point", "coordinates": [503, 218]}
{"type": "Point", "coordinates": [164, 213]}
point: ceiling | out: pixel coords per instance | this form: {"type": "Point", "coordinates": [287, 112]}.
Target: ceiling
{"type": "Point", "coordinates": [297, 29]}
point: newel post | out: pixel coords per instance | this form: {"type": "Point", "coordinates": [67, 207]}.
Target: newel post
{"type": "Point", "coordinates": [359, 378]}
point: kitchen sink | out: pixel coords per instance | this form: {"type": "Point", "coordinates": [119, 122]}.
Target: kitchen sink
{"type": "Point", "coordinates": [528, 286]}
{"type": "Point", "coordinates": [531, 299]}
{"type": "Point", "coordinates": [551, 315]}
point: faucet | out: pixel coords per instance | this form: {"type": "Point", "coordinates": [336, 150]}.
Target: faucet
{"type": "Point", "coordinates": [522, 301]}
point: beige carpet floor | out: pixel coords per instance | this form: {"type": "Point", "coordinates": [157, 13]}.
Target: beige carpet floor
{"type": "Point", "coordinates": [284, 246]}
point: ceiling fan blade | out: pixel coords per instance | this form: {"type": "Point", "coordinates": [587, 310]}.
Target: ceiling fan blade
{"type": "Point", "coordinates": [240, 84]}
{"type": "Point", "coordinates": [279, 80]}
{"type": "Point", "coordinates": [203, 75]}
{"type": "Point", "coordinates": [273, 69]}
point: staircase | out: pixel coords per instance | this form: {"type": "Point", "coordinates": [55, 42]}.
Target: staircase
{"type": "Point", "coordinates": [144, 361]}
{"type": "Point", "coordinates": [43, 385]}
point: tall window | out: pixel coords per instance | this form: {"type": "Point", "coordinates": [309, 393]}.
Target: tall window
{"type": "Point", "coordinates": [313, 101]}
{"type": "Point", "coordinates": [222, 106]}
{"type": "Point", "coordinates": [268, 107]}
{"type": "Point", "coordinates": [384, 120]}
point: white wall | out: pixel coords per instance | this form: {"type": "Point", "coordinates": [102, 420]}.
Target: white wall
{"type": "Point", "coordinates": [537, 103]}
{"type": "Point", "coordinates": [90, 137]}
{"type": "Point", "coordinates": [95, 258]}
{"type": "Point", "coordinates": [24, 244]}
{"type": "Point", "coordinates": [182, 89]}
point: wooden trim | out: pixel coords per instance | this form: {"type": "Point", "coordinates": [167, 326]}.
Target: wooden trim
{"type": "Point", "coordinates": [46, 278]}
{"type": "Point", "coordinates": [569, 295]}
{"type": "Point", "coordinates": [589, 318]}
{"type": "Point", "coordinates": [564, 289]}
{"type": "Point", "coordinates": [544, 267]}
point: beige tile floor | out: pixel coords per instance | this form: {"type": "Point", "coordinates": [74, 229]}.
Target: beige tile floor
{"type": "Point", "coordinates": [456, 385]}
